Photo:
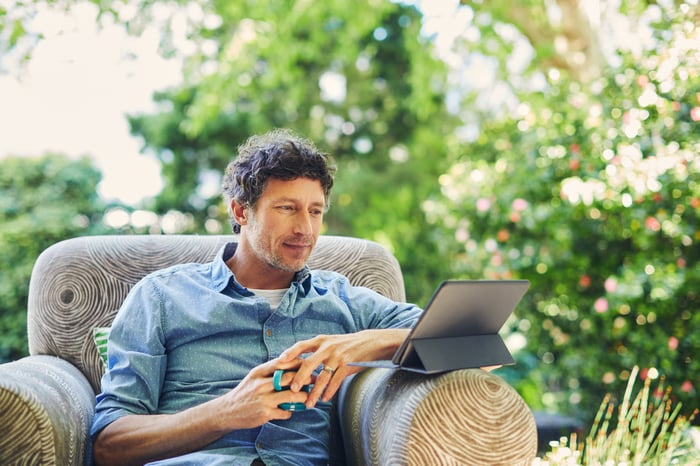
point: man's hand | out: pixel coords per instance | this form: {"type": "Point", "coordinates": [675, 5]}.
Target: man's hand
{"type": "Point", "coordinates": [333, 353]}
{"type": "Point", "coordinates": [254, 401]}
{"type": "Point", "coordinates": [138, 439]}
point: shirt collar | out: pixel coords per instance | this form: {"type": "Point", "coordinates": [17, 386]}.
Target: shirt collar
{"type": "Point", "coordinates": [221, 275]}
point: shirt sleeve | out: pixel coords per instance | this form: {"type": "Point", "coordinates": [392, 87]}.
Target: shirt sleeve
{"type": "Point", "coordinates": [375, 311]}
{"type": "Point", "coordinates": [136, 359]}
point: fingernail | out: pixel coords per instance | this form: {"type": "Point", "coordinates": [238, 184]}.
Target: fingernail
{"type": "Point", "coordinates": [295, 387]}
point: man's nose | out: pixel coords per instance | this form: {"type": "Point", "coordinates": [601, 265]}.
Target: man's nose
{"type": "Point", "coordinates": [303, 224]}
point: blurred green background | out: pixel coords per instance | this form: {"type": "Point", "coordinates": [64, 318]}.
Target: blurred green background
{"type": "Point", "coordinates": [556, 141]}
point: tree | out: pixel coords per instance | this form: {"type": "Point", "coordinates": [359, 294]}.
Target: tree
{"type": "Point", "coordinates": [590, 190]}
{"type": "Point", "coordinates": [42, 201]}
{"type": "Point", "coordinates": [366, 88]}
{"type": "Point", "coordinates": [565, 34]}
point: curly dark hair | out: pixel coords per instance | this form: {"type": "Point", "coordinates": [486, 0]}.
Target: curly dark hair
{"type": "Point", "coordinates": [280, 154]}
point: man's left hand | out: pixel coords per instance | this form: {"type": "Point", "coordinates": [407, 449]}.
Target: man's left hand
{"type": "Point", "coordinates": [333, 353]}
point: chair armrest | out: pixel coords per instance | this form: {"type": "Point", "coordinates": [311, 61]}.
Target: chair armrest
{"type": "Point", "coordinates": [461, 417]}
{"type": "Point", "coordinates": [46, 410]}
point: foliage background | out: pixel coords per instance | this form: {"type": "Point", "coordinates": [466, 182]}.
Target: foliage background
{"type": "Point", "coordinates": [42, 201]}
{"type": "Point", "coordinates": [567, 163]}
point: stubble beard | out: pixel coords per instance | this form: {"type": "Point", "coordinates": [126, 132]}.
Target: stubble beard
{"type": "Point", "coordinates": [265, 249]}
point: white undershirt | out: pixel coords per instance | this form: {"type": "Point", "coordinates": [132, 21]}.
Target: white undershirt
{"type": "Point", "coordinates": [274, 297]}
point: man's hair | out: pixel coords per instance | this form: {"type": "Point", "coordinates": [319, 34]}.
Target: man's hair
{"type": "Point", "coordinates": [279, 154]}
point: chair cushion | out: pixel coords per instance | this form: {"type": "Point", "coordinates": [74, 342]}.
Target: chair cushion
{"type": "Point", "coordinates": [78, 284]}
{"type": "Point", "coordinates": [461, 417]}
{"type": "Point", "coordinates": [46, 408]}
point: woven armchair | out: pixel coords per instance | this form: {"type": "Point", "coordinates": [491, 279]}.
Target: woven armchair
{"type": "Point", "coordinates": [383, 417]}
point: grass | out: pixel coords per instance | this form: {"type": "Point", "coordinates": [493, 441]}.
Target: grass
{"type": "Point", "coordinates": [649, 431]}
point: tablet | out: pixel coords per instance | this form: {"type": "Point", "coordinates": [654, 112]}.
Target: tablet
{"type": "Point", "coordinates": [459, 327]}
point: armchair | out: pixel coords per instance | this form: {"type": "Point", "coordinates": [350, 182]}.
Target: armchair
{"type": "Point", "coordinates": [383, 417]}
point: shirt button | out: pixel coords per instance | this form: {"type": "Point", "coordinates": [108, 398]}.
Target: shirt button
{"type": "Point", "coordinates": [259, 446]}
{"type": "Point", "coordinates": [268, 332]}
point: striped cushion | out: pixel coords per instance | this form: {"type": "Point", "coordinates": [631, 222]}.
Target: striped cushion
{"type": "Point", "coordinates": [100, 335]}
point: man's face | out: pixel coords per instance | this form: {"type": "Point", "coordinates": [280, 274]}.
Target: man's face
{"type": "Point", "coordinates": [283, 227]}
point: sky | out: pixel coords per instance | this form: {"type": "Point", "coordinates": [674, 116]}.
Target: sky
{"type": "Point", "coordinates": [74, 94]}
{"type": "Point", "coordinates": [82, 80]}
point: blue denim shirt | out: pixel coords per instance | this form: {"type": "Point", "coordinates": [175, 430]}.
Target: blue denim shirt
{"type": "Point", "coordinates": [190, 333]}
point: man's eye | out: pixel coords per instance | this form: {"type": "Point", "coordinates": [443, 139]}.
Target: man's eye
{"type": "Point", "coordinates": [316, 212]}
{"type": "Point", "coordinates": [286, 207]}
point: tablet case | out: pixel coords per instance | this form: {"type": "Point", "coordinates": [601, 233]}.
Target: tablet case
{"type": "Point", "coordinates": [459, 328]}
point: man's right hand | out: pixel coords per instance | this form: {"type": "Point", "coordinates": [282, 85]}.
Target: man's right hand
{"type": "Point", "coordinates": [254, 401]}
{"type": "Point", "coordinates": [138, 439]}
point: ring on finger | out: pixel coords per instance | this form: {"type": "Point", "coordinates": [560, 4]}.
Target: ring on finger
{"type": "Point", "coordinates": [277, 380]}
{"type": "Point", "coordinates": [330, 370]}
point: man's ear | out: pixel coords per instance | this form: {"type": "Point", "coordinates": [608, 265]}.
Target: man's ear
{"type": "Point", "coordinates": [239, 212]}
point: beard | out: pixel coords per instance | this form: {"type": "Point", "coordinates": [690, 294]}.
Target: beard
{"type": "Point", "coordinates": [274, 253]}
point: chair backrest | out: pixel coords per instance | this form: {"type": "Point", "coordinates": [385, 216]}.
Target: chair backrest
{"type": "Point", "coordinates": [80, 283]}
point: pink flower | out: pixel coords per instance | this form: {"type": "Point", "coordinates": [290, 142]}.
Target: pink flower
{"type": "Point", "coordinates": [687, 386]}
{"type": "Point", "coordinates": [610, 285]}
{"type": "Point", "coordinates": [673, 343]}
{"type": "Point", "coordinates": [601, 305]}
{"type": "Point", "coordinates": [695, 114]}
{"type": "Point", "coordinates": [483, 204]}
{"type": "Point", "coordinates": [519, 205]}
{"type": "Point", "coordinates": [652, 224]}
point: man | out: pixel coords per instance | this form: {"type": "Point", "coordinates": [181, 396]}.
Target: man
{"type": "Point", "coordinates": [194, 349]}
